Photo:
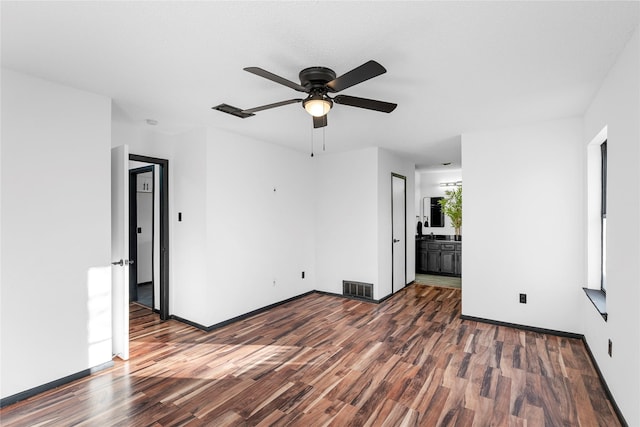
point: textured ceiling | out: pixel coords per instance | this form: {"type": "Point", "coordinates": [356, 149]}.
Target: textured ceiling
{"type": "Point", "coordinates": [452, 67]}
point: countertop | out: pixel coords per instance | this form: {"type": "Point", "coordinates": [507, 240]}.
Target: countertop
{"type": "Point", "coordinates": [438, 238]}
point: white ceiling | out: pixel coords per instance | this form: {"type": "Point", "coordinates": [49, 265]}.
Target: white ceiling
{"type": "Point", "coordinates": [452, 67]}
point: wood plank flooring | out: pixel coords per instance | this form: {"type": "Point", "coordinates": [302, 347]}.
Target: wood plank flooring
{"type": "Point", "coordinates": [324, 360]}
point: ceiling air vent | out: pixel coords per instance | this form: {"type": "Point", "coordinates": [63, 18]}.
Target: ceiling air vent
{"type": "Point", "coordinates": [234, 111]}
{"type": "Point", "coordinates": [357, 289]}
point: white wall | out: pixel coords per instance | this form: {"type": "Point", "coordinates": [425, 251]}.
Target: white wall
{"type": "Point", "coordinates": [389, 163]}
{"type": "Point", "coordinates": [186, 153]}
{"type": "Point", "coordinates": [237, 235]}
{"type": "Point", "coordinates": [353, 218]}
{"type": "Point", "coordinates": [527, 183]}
{"type": "Point", "coordinates": [346, 219]}
{"type": "Point", "coordinates": [260, 225]}
{"type": "Point", "coordinates": [617, 106]}
{"type": "Point", "coordinates": [430, 187]}
{"type": "Point", "coordinates": [188, 195]}
{"type": "Point", "coordinates": [55, 232]}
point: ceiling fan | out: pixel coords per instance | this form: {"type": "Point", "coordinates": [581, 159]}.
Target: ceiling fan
{"type": "Point", "coordinates": [318, 82]}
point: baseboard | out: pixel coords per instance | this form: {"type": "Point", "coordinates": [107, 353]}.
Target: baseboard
{"type": "Point", "coordinates": [268, 307]}
{"type": "Point", "coordinates": [351, 297]}
{"type": "Point", "coordinates": [523, 327]}
{"type": "Point", "coordinates": [581, 337]}
{"type": "Point", "coordinates": [241, 317]}
{"type": "Point", "coordinates": [189, 322]}
{"type": "Point", "coordinates": [604, 384]}
{"type": "Point", "coordinates": [10, 400]}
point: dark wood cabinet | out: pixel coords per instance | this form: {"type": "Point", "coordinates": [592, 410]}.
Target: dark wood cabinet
{"type": "Point", "coordinates": [433, 257]}
{"type": "Point", "coordinates": [439, 257]}
{"type": "Point", "coordinates": [421, 256]}
{"type": "Point", "coordinates": [433, 261]}
{"type": "Point", "coordinates": [424, 262]}
{"type": "Point", "coordinates": [448, 262]}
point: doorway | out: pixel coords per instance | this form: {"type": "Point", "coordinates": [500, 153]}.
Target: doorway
{"type": "Point", "coordinates": [120, 248]}
{"type": "Point", "coordinates": [399, 231]}
{"type": "Point", "coordinates": [144, 274]}
{"type": "Point", "coordinates": [160, 168]}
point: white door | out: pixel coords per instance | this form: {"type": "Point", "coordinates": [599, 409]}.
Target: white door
{"type": "Point", "coordinates": [399, 227]}
{"type": "Point", "coordinates": [120, 250]}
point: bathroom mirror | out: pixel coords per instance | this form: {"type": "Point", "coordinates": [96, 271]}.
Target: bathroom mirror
{"type": "Point", "coordinates": [431, 209]}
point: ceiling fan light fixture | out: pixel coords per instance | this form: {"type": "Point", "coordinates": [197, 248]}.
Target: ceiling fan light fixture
{"type": "Point", "coordinates": [317, 105]}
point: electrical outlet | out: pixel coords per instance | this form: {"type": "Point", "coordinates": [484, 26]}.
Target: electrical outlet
{"type": "Point", "coordinates": [610, 348]}
{"type": "Point", "coordinates": [523, 298]}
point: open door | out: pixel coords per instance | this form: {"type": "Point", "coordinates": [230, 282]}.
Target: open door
{"type": "Point", "coordinates": [120, 250]}
{"type": "Point", "coordinates": [399, 231]}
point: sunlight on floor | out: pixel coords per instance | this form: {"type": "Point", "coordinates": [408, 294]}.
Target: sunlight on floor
{"type": "Point", "coordinates": [99, 315]}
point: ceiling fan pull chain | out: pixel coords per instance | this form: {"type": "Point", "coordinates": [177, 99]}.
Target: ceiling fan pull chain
{"type": "Point", "coordinates": [323, 129]}
{"type": "Point", "coordinates": [312, 141]}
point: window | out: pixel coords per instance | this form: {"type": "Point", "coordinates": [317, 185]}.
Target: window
{"type": "Point", "coordinates": [597, 222]}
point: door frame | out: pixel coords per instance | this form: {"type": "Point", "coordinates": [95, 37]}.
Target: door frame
{"type": "Point", "coordinates": [404, 236]}
{"type": "Point", "coordinates": [133, 231]}
{"type": "Point", "coordinates": [164, 229]}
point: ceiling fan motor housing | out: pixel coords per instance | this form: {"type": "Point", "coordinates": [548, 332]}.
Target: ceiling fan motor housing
{"type": "Point", "coordinates": [316, 78]}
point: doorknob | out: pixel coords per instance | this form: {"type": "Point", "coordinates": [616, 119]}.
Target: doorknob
{"type": "Point", "coordinates": [396, 240]}
{"type": "Point", "coordinates": [123, 262]}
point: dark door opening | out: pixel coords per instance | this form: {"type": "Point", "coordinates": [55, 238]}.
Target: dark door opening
{"type": "Point", "coordinates": [399, 232]}
{"type": "Point", "coordinates": [142, 236]}
{"type": "Point", "coordinates": [163, 229]}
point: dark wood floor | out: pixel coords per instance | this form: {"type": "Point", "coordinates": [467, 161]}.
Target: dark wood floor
{"type": "Point", "coordinates": [323, 360]}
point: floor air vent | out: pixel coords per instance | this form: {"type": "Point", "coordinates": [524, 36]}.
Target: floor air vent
{"type": "Point", "coordinates": [357, 289]}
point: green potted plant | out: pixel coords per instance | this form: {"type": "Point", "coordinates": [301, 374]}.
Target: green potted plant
{"type": "Point", "coordinates": [451, 206]}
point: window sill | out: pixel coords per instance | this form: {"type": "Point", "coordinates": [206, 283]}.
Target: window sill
{"type": "Point", "coordinates": [599, 300]}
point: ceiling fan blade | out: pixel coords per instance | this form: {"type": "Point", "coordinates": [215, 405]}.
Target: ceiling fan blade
{"type": "Point", "coordinates": [275, 78]}
{"type": "Point", "coordinates": [319, 122]}
{"type": "Point", "coordinates": [366, 71]}
{"type": "Point", "coordinates": [369, 104]}
{"type": "Point", "coordinates": [274, 105]}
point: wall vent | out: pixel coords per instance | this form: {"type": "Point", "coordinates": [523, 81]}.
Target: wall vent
{"type": "Point", "coordinates": [357, 289]}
